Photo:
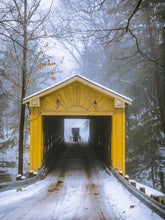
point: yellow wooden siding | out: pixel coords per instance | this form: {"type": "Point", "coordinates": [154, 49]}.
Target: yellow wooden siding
{"type": "Point", "coordinates": [118, 139]}
{"type": "Point", "coordinates": [36, 139]}
{"type": "Point", "coordinates": [77, 97]}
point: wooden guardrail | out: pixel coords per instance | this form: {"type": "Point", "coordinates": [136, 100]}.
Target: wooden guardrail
{"type": "Point", "coordinates": [20, 183]}
{"type": "Point", "coordinates": [33, 178]}
{"type": "Point", "coordinates": [154, 203]}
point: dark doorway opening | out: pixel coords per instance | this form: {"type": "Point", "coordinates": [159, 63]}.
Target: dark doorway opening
{"type": "Point", "coordinates": [93, 129]}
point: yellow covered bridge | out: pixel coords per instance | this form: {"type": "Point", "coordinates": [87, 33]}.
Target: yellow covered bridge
{"type": "Point", "coordinates": [78, 97]}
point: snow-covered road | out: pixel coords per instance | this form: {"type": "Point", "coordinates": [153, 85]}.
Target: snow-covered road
{"type": "Point", "coordinates": [77, 188]}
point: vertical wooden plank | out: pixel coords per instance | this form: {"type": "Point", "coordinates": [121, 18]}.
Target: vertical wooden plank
{"type": "Point", "coordinates": [82, 95]}
{"type": "Point", "coordinates": [31, 138]}
{"type": "Point", "coordinates": [74, 93]}
{"type": "Point", "coordinates": [79, 85]}
{"type": "Point", "coordinates": [36, 139]}
{"type": "Point", "coordinates": [118, 140]}
{"type": "Point", "coordinates": [64, 98]}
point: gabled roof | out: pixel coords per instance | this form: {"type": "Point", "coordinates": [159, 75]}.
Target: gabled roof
{"type": "Point", "coordinates": [83, 80]}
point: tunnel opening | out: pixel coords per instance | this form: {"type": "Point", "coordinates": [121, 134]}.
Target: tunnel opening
{"type": "Point", "coordinates": [96, 130]}
{"type": "Point", "coordinates": [73, 124]}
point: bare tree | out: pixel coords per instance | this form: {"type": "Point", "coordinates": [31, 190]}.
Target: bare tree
{"type": "Point", "coordinates": [22, 24]}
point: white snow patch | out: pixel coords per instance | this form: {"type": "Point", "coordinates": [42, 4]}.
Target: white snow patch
{"type": "Point", "coordinates": [19, 175]}
{"type": "Point", "coordinates": [149, 190]}
{"type": "Point", "coordinates": [11, 196]}
{"type": "Point", "coordinates": [23, 177]}
{"type": "Point", "coordinates": [125, 203]}
{"type": "Point", "coordinates": [126, 176]}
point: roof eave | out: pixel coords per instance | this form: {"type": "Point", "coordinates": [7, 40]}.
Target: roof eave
{"type": "Point", "coordinates": [75, 78]}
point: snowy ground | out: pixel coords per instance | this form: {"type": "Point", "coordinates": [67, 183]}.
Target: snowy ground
{"type": "Point", "coordinates": [148, 190]}
{"type": "Point", "coordinates": [77, 188]}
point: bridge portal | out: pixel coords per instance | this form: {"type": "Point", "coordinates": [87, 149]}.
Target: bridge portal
{"type": "Point", "coordinates": [78, 97]}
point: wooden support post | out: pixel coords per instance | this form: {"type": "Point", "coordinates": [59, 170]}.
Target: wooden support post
{"type": "Point", "coordinates": [126, 177]}
{"type": "Point", "coordinates": [142, 189]}
{"type": "Point", "coordinates": [118, 139]}
{"type": "Point", "coordinates": [121, 173]}
{"type": "Point", "coordinates": [159, 199]}
{"type": "Point", "coordinates": [18, 177]}
{"type": "Point", "coordinates": [133, 183]}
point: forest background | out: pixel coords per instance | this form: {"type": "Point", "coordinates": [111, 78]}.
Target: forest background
{"type": "Point", "coordinates": [119, 44]}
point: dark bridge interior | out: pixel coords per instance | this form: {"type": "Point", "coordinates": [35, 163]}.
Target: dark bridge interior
{"type": "Point", "coordinates": [99, 136]}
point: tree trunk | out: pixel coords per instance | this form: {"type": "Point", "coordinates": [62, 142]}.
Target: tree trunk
{"type": "Point", "coordinates": [152, 172]}
{"type": "Point", "coordinates": [161, 174]}
{"type": "Point", "coordinates": [24, 70]}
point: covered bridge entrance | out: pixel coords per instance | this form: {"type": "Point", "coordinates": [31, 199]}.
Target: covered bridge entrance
{"type": "Point", "coordinates": [78, 97]}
